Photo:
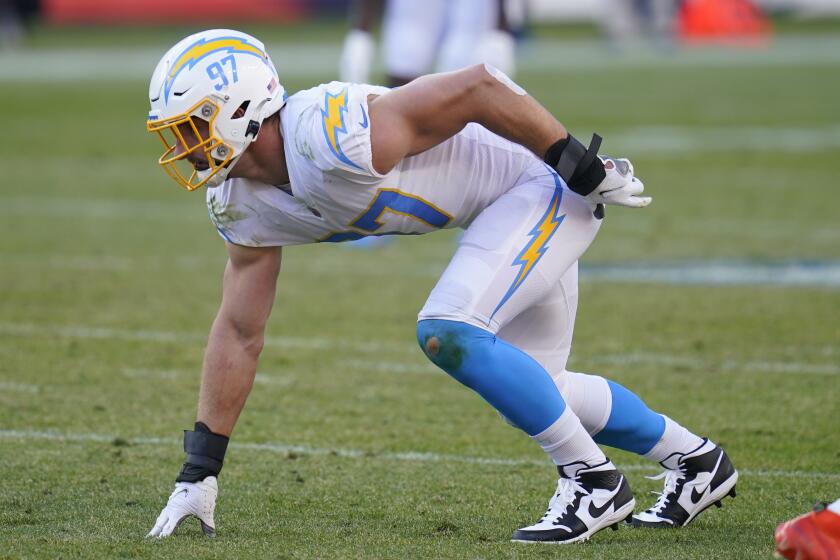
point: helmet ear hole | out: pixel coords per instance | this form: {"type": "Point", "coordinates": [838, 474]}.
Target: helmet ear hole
{"type": "Point", "coordinates": [241, 110]}
{"type": "Point", "coordinates": [253, 129]}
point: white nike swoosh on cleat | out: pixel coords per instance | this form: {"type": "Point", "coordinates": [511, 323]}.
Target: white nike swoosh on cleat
{"type": "Point", "coordinates": [697, 496]}
{"type": "Point", "coordinates": [599, 510]}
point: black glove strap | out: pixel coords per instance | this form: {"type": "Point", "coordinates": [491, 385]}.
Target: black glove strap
{"type": "Point", "coordinates": [193, 473]}
{"type": "Point", "coordinates": [579, 167]}
{"type": "Point", "coordinates": [205, 454]}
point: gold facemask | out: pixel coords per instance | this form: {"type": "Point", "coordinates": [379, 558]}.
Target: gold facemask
{"type": "Point", "coordinates": [181, 136]}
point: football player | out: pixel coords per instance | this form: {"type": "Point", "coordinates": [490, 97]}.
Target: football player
{"type": "Point", "coordinates": [456, 33]}
{"type": "Point", "coordinates": [468, 149]}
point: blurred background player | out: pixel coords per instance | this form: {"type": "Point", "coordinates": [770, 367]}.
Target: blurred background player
{"type": "Point", "coordinates": [626, 22]}
{"type": "Point", "coordinates": [15, 15]}
{"type": "Point", "coordinates": [359, 46]}
{"type": "Point", "coordinates": [813, 536]}
{"type": "Point", "coordinates": [421, 37]}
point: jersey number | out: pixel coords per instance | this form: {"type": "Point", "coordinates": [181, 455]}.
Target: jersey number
{"type": "Point", "coordinates": [217, 72]}
{"type": "Point", "coordinates": [397, 202]}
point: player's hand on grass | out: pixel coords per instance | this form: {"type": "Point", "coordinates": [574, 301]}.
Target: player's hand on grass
{"type": "Point", "coordinates": [189, 498]}
{"type": "Point", "coordinates": [619, 187]}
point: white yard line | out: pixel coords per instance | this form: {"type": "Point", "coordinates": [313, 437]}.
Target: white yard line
{"type": "Point", "coordinates": [282, 380]}
{"type": "Point", "coordinates": [651, 359]}
{"type": "Point", "coordinates": [391, 367]}
{"type": "Point", "coordinates": [103, 208]}
{"type": "Point", "coordinates": [111, 263]}
{"type": "Point", "coordinates": [784, 367]}
{"type": "Point", "coordinates": [723, 273]}
{"type": "Point", "coordinates": [14, 387]}
{"type": "Point", "coordinates": [671, 360]}
{"type": "Point", "coordinates": [274, 379]}
{"type": "Point", "coordinates": [105, 333]}
{"type": "Point", "coordinates": [413, 456]}
{"type": "Point", "coordinates": [351, 347]}
{"type": "Point", "coordinates": [320, 61]}
{"type": "Point", "coordinates": [146, 373]}
{"type": "Point", "coordinates": [676, 140]}
{"type": "Point", "coordinates": [714, 272]}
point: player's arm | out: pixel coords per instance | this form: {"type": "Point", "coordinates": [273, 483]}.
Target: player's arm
{"type": "Point", "coordinates": [427, 111]}
{"type": "Point", "coordinates": [236, 337]}
{"type": "Point", "coordinates": [230, 364]}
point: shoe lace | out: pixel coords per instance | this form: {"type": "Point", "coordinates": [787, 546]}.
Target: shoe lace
{"type": "Point", "coordinates": [672, 480]}
{"type": "Point", "coordinates": [567, 489]}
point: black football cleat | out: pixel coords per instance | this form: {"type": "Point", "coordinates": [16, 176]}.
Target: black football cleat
{"type": "Point", "coordinates": [588, 499]}
{"type": "Point", "coordinates": [694, 481]}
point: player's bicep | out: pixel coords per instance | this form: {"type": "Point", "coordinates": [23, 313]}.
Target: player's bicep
{"type": "Point", "coordinates": [419, 115]}
{"type": "Point", "coordinates": [250, 282]}
{"type": "Point", "coordinates": [391, 134]}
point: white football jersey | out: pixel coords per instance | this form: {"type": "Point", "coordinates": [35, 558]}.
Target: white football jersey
{"type": "Point", "coordinates": [338, 196]}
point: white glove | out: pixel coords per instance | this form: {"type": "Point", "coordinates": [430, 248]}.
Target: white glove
{"type": "Point", "coordinates": [189, 498]}
{"type": "Point", "coordinates": [619, 187]}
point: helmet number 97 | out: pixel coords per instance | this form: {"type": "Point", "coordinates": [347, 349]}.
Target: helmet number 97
{"type": "Point", "coordinates": [217, 72]}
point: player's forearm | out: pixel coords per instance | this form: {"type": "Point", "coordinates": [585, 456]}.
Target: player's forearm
{"type": "Point", "coordinates": [230, 364]}
{"type": "Point", "coordinates": [504, 108]}
{"type": "Point", "coordinates": [501, 106]}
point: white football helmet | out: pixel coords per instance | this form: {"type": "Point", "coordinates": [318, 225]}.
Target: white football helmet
{"type": "Point", "coordinates": [209, 76]}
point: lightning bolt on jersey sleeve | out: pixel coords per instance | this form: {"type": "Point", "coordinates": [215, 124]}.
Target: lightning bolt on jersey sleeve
{"type": "Point", "coordinates": [340, 131]}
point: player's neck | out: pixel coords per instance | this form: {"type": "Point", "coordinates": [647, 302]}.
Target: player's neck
{"type": "Point", "coordinates": [265, 158]}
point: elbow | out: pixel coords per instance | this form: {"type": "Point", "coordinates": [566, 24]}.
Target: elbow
{"type": "Point", "coordinates": [480, 79]}
{"type": "Point", "coordinates": [492, 78]}
{"type": "Point", "coordinates": [471, 93]}
{"type": "Point", "coordinates": [484, 87]}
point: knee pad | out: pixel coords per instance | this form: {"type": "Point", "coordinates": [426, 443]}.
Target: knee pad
{"type": "Point", "coordinates": [611, 413]}
{"type": "Point", "coordinates": [588, 396]}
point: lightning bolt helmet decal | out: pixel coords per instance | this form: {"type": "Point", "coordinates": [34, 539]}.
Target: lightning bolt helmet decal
{"type": "Point", "coordinates": [205, 47]}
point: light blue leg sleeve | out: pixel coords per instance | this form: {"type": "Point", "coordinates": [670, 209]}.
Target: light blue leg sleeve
{"type": "Point", "coordinates": [632, 426]}
{"type": "Point", "coordinates": [506, 377]}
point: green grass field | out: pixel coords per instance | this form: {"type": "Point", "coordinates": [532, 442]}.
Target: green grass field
{"type": "Point", "coordinates": [351, 444]}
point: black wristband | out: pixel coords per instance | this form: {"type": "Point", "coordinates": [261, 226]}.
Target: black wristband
{"type": "Point", "coordinates": [205, 454]}
{"type": "Point", "coordinates": [579, 167]}
{"type": "Point", "coordinates": [193, 473]}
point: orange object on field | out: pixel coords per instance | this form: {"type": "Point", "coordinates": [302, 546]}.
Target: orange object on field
{"type": "Point", "coordinates": [813, 536]}
{"type": "Point", "coordinates": [722, 21]}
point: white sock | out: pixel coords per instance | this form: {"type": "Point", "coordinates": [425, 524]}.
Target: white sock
{"type": "Point", "coordinates": [566, 442]}
{"type": "Point", "coordinates": [835, 507]}
{"type": "Point", "coordinates": [356, 57]}
{"type": "Point", "coordinates": [675, 439]}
